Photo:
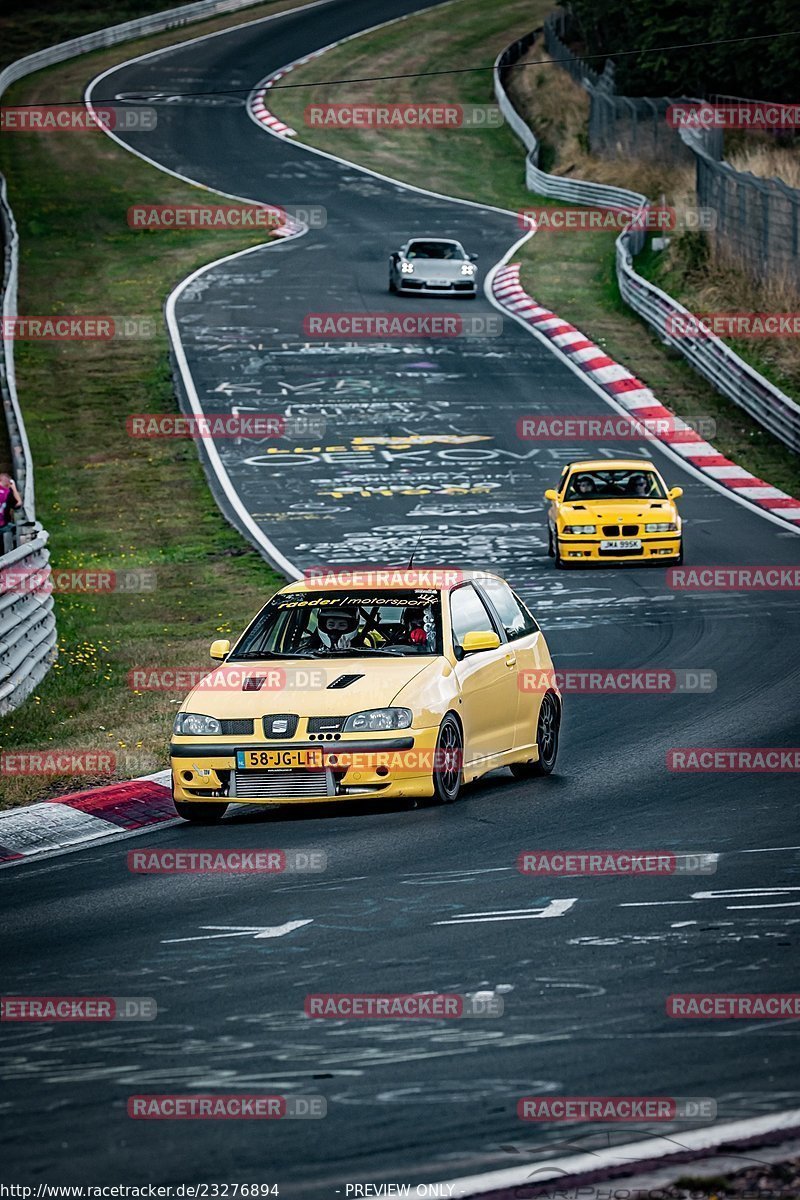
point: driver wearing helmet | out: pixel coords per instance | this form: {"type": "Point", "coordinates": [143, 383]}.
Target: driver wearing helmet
{"type": "Point", "coordinates": [583, 485]}
{"type": "Point", "coordinates": [337, 629]}
{"type": "Point", "coordinates": [638, 485]}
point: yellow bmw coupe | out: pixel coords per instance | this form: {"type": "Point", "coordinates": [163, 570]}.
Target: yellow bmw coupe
{"type": "Point", "coordinates": [371, 685]}
{"type": "Point", "coordinates": [613, 510]}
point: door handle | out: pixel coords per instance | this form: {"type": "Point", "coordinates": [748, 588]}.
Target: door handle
{"type": "Point", "coordinates": [511, 660]}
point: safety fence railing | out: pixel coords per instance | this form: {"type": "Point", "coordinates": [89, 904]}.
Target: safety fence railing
{"type": "Point", "coordinates": [714, 360]}
{"type": "Point", "coordinates": [27, 619]}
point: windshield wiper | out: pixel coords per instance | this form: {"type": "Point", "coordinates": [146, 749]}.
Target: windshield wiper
{"type": "Point", "coordinates": [256, 656]}
{"type": "Point", "coordinates": [327, 651]}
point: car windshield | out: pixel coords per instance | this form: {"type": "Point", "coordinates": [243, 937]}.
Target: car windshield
{"type": "Point", "coordinates": [630, 483]}
{"type": "Point", "coordinates": [315, 624]}
{"type": "Point", "coordinates": [435, 250]}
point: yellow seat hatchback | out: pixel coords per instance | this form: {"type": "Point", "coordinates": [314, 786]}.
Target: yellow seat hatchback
{"type": "Point", "coordinates": [369, 685]}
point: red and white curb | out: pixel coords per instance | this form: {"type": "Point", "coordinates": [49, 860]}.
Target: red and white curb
{"type": "Point", "coordinates": [638, 400]}
{"type": "Point", "coordinates": [257, 105]}
{"type": "Point", "coordinates": [607, 1163]}
{"type": "Point", "coordinates": [67, 822]}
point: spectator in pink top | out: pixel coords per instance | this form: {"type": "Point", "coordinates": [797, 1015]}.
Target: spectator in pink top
{"type": "Point", "coordinates": [9, 500]}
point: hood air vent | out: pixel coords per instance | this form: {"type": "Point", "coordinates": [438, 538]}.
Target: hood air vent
{"type": "Point", "coordinates": [343, 681]}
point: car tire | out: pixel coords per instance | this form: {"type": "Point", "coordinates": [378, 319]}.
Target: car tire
{"type": "Point", "coordinates": [550, 551]}
{"type": "Point", "coordinates": [392, 285]}
{"type": "Point", "coordinates": [448, 762]}
{"type": "Point", "coordinates": [547, 731]}
{"type": "Point", "coordinates": [200, 813]}
{"type": "Point", "coordinates": [560, 564]}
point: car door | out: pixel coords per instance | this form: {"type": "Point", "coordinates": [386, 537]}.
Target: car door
{"type": "Point", "coordinates": [487, 678]}
{"type": "Point", "coordinates": [533, 669]}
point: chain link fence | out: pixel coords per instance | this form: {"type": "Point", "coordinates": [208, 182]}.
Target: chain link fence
{"type": "Point", "coordinates": [757, 220]}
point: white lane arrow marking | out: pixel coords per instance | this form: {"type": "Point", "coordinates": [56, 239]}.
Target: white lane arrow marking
{"type": "Point", "coordinates": [254, 931]}
{"type": "Point", "coordinates": [556, 908]}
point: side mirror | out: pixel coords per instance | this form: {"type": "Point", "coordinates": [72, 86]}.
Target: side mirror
{"type": "Point", "coordinates": [472, 257]}
{"type": "Point", "coordinates": [675, 492]}
{"type": "Point", "coordinates": [479, 640]}
{"type": "Point", "coordinates": [221, 648]}
{"type": "Point", "coordinates": [551, 494]}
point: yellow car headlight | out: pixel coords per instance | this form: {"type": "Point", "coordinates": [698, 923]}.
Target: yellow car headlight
{"type": "Point", "coordinates": [580, 529]}
{"type": "Point", "coordinates": [661, 527]}
{"type": "Point", "coordinates": [374, 719]}
{"type": "Point", "coordinates": [196, 723]}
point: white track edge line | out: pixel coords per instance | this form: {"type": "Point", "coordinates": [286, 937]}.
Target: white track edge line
{"type": "Point", "coordinates": [624, 1157]}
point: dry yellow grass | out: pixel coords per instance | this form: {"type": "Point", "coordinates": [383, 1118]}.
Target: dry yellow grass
{"type": "Point", "coordinates": [768, 162]}
{"type": "Point", "coordinates": [557, 109]}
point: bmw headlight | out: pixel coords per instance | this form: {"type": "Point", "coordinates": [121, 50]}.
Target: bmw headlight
{"type": "Point", "coordinates": [407, 268]}
{"type": "Point", "coordinates": [196, 723]}
{"type": "Point", "coordinates": [467, 268]}
{"type": "Point", "coordinates": [378, 718]}
{"type": "Point", "coordinates": [580, 528]}
{"type": "Point", "coordinates": [661, 527]}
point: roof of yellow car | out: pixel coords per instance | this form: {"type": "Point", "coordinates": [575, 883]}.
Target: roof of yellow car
{"type": "Point", "coordinates": [439, 579]}
{"type": "Point", "coordinates": [610, 464]}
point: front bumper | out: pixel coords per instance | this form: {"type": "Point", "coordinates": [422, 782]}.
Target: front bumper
{"type": "Point", "coordinates": [380, 768]}
{"type": "Point", "coordinates": [418, 287]}
{"type": "Point", "coordinates": [655, 546]}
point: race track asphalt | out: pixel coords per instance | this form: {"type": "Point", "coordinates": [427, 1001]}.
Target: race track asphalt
{"type": "Point", "coordinates": [585, 991]}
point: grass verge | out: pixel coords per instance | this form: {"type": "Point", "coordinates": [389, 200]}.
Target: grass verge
{"type": "Point", "coordinates": [109, 501]}
{"type": "Point", "coordinates": [572, 274]}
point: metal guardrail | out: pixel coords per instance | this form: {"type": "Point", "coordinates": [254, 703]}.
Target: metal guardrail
{"type": "Point", "coordinates": [28, 640]}
{"type": "Point", "coordinates": [710, 357]}
{"type": "Point", "coordinates": [27, 621]}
